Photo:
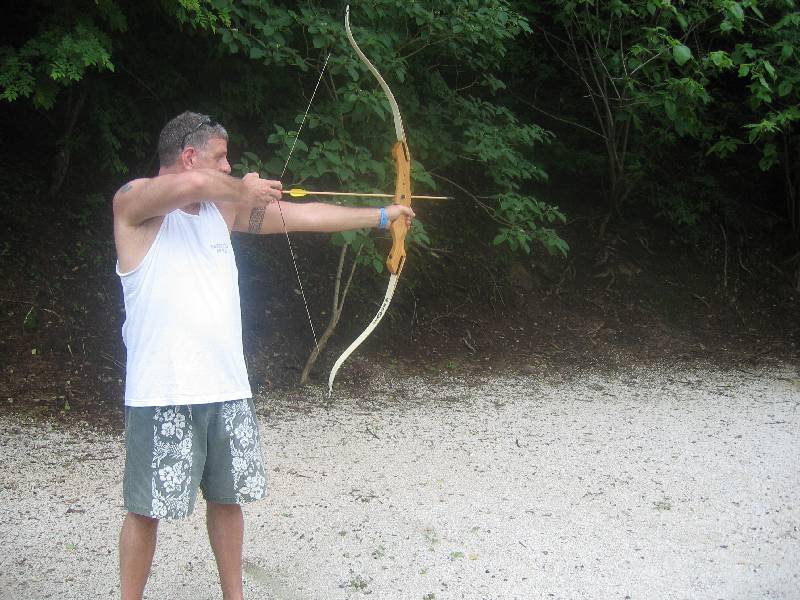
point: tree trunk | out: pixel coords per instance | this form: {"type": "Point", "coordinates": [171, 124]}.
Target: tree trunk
{"type": "Point", "coordinates": [62, 157]}
{"type": "Point", "coordinates": [791, 171]}
{"type": "Point", "coordinates": [336, 312]}
{"type": "Point", "coordinates": [791, 146]}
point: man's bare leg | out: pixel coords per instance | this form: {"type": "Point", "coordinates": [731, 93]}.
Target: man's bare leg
{"type": "Point", "coordinates": [137, 544]}
{"type": "Point", "coordinates": [225, 525]}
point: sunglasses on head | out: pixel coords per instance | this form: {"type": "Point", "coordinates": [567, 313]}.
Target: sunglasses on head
{"type": "Point", "coordinates": [204, 122]}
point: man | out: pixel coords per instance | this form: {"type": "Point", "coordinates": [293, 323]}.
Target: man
{"type": "Point", "coordinates": [189, 418]}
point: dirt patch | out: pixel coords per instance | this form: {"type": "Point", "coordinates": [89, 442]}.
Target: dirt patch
{"type": "Point", "coordinates": [663, 483]}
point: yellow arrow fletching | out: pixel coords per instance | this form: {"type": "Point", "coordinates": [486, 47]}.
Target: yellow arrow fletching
{"type": "Point", "coordinates": [297, 192]}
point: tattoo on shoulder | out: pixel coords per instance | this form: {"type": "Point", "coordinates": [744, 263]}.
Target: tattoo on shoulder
{"type": "Point", "coordinates": [256, 219]}
{"type": "Point", "coordinates": [125, 188]}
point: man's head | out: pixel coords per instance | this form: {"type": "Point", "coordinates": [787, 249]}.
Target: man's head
{"type": "Point", "coordinates": [193, 140]}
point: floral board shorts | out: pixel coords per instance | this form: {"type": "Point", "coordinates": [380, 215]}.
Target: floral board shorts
{"type": "Point", "coordinates": [173, 450]}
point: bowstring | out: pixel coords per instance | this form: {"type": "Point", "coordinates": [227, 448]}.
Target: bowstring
{"type": "Point", "coordinates": [280, 210]}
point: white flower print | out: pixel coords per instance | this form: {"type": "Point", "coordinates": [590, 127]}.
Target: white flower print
{"type": "Point", "coordinates": [239, 465]}
{"type": "Point", "coordinates": [158, 509]}
{"type": "Point", "coordinates": [253, 486]}
{"type": "Point", "coordinates": [173, 423]}
{"type": "Point", "coordinates": [246, 466]}
{"type": "Point", "coordinates": [184, 449]}
{"type": "Point", "coordinates": [172, 476]}
{"type": "Point", "coordinates": [244, 433]}
{"type": "Point", "coordinates": [180, 420]}
{"type": "Point", "coordinates": [172, 462]}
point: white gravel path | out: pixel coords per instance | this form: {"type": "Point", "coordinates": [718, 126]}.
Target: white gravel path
{"type": "Point", "coordinates": [652, 484]}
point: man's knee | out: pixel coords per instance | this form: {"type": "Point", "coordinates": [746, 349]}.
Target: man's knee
{"type": "Point", "coordinates": [223, 509]}
{"type": "Point", "coordinates": [141, 522]}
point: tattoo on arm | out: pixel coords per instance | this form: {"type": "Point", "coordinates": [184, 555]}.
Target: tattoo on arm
{"type": "Point", "coordinates": [125, 188]}
{"type": "Point", "coordinates": [256, 218]}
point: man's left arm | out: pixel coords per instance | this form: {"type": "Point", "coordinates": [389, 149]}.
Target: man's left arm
{"type": "Point", "coordinates": [314, 216]}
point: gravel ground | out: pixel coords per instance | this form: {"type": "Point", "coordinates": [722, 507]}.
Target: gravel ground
{"type": "Point", "coordinates": [645, 485]}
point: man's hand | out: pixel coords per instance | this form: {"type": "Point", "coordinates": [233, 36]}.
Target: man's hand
{"type": "Point", "coordinates": [258, 192]}
{"type": "Point", "coordinates": [397, 211]}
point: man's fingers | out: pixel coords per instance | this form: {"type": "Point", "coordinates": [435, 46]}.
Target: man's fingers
{"type": "Point", "coordinates": [261, 192]}
{"type": "Point", "coordinates": [397, 211]}
{"type": "Point", "coordinates": [274, 190]}
{"type": "Point", "coordinates": [268, 190]}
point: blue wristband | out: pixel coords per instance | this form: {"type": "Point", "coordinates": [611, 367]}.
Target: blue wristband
{"type": "Point", "coordinates": [384, 221]}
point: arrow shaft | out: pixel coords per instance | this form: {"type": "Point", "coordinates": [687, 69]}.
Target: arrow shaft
{"type": "Point", "coordinates": [295, 193]}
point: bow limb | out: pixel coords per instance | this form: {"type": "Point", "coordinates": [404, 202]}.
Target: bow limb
{"type": "Point", "coordinates": [364, 334]}
{"type": "Point", "coordinates": [402, 195]}
{"type": "Point", "coordinates": [398, 120]}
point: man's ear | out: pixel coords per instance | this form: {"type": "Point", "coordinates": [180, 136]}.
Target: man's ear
{"type": "Point", "coordinates": [188, 157]}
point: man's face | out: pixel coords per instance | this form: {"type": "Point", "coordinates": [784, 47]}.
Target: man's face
{"type": "Point", "coordinates": [214, 155]}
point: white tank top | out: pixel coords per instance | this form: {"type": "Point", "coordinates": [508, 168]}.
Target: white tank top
{"type": "Point", "coordinates": [183, 323]}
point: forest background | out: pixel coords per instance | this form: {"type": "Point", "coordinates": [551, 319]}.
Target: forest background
{"type": "Point", "coordinates": [626, 180]}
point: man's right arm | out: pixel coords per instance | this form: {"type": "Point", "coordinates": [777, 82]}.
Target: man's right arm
{"type": "Point", "coordinates": [143, 199]}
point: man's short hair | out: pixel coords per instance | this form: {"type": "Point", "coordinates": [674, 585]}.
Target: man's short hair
{"type": "Point", "coordinates": [187, 129]}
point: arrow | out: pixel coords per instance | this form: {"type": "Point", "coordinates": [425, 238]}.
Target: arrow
{"type": "Point", "coordinates": [300, 192]}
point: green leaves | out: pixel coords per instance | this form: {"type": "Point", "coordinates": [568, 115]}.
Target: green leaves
{"type": "Point", "coordinates": [681, 53]}
{"type": "Point", "coordinates": [61, 54]}
{"type": "Point", "coordinates": [494, 136]}
{"type": "Point", "coordinates": [372, 254]}
{"type": "Point", "coordinates": [449, 130]}
{"type": "Point", "coordinates": [711, 75]}
{"type": "Point", "coordinates": [522, 218]}
{"type": "Point", "coordinates": [785, 87]}
{"type": "Point", "coordinates": [720, 59]}
{"type": "Point", "coordinates": [724, 147]}
{"type": "Point", "coordinates": [17, 78]}
{"type": "Point", "coordinates": [254, 64]}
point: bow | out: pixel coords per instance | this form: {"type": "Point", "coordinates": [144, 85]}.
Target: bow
{"type": "Point", "coordinates": [402, 195]}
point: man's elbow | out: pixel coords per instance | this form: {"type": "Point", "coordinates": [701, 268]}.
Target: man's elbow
{"type": "Point", "coordinates": [308, 217]}
{"type": "Point", "coordinates": [122, 203]}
